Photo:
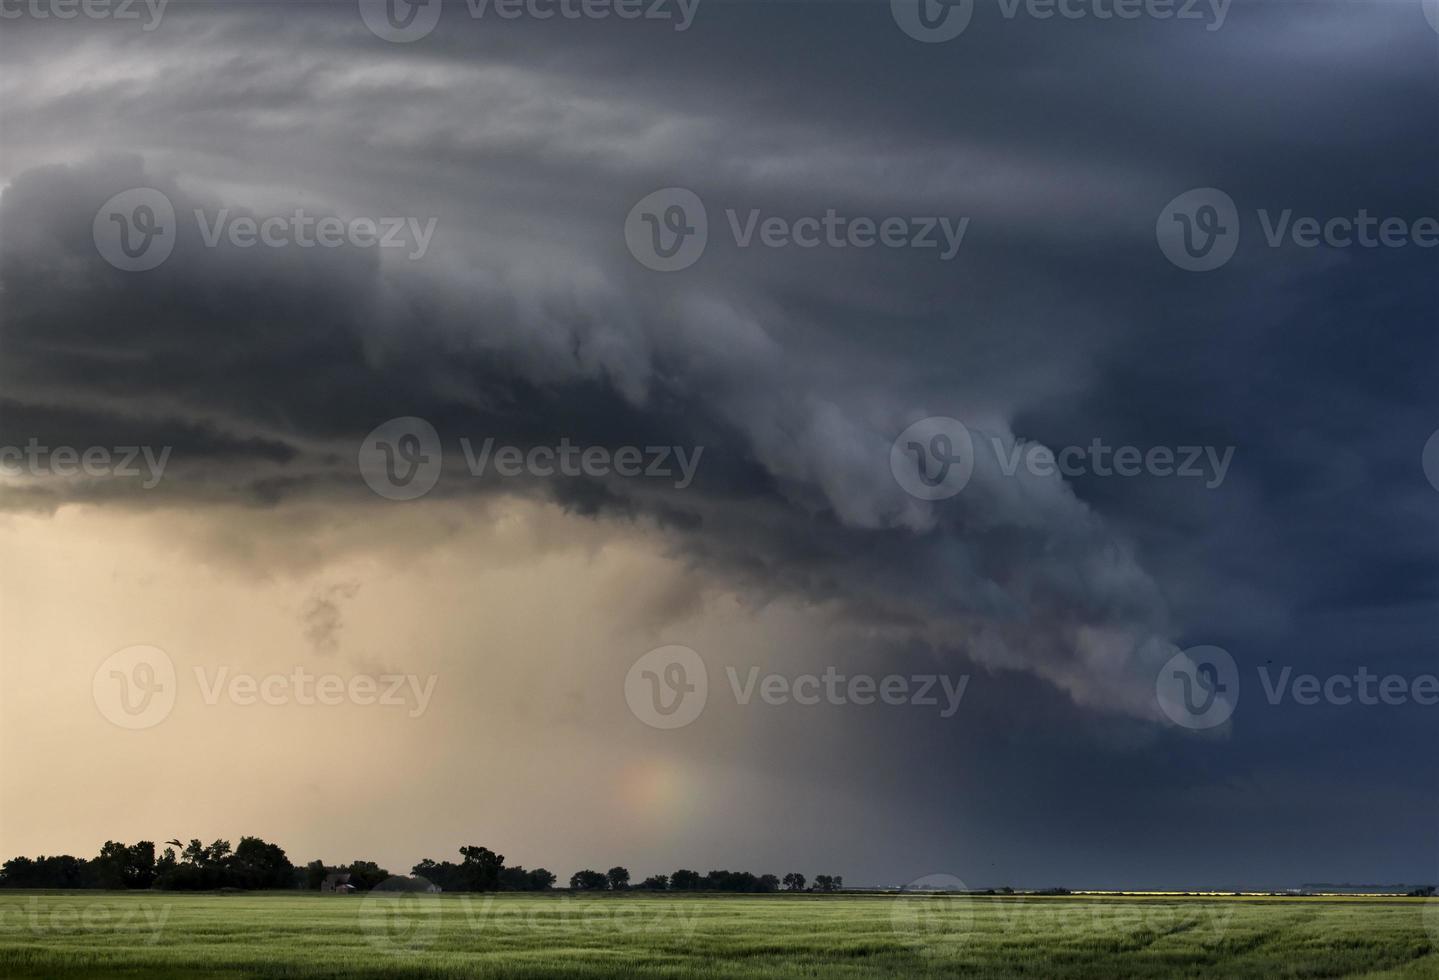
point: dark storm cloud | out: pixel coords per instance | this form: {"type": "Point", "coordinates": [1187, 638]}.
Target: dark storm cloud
{"type": "Point", "coordinates": [295, 354]}
{"type": "Point", "coordinates": [1058, 323]}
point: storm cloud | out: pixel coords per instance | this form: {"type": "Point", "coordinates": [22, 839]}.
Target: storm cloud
{"type": "Point", "coordinates": [526, 320]}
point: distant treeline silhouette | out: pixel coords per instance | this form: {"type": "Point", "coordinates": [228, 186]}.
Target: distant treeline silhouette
{"type": "Point", "coordinates": [257, 864]}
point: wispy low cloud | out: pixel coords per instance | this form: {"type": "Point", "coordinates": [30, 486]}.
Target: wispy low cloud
{"type": "Point", "coordinates": [322, 615]}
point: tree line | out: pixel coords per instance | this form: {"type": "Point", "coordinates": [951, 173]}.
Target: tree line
{"type": "Point", "coordinates": [618, 879]}
{"type": "Point", "coordinates": [257, 864]}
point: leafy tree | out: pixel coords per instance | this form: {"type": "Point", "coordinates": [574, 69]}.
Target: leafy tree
{"type": "Point", "coordinates": [731, 881]}
{"type": "Point", "coordinates": [254, 864]}
{"type": "Point", "coordinates": [589, 881]}
{"type": "Point", "coordinates": [515, 879]}
{"type": "Point", "coordinates": [121, 866]}
{"type": "Point", "coordinates": [447, 875]}
{"type": "Point", "coordinates": [824, 883]}
{"type": "Point", "coordinates": [365, 875]}
{"type": "Point", "coordinates": [200, 867]}
{"type": "Point", "coordinates": [315, 873]}
{"type": "Point", "coordinates": [58, 871]}
{"type": "Point", "coordinates": [685, 880]}
{"type": "Point", "coordinates": [258, 864]}
{"type": "Point", "coordinates": [166, 864]}
{"type": "Point", "coordinates": [482, 868]}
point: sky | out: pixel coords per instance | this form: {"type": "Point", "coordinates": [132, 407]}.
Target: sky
{"type": "Point", "coordinates": [817, 436]}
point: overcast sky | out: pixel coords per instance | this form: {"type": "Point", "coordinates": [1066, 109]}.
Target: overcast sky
{"type": "Point", "coordinates": [507, 163]}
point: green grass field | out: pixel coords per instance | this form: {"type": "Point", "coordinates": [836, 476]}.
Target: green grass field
{"type": "Point", "coordinates": [107, 934]}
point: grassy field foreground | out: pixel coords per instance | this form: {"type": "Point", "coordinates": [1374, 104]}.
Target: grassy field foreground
{"type": "Point", "coordinates": [107, 934]}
